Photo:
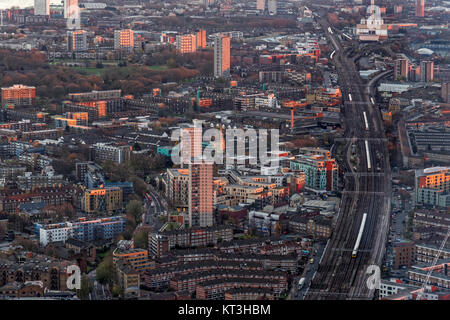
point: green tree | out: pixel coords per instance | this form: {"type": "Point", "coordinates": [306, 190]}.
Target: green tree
{"type": "Point", "coordinates": [116, 291]}
{"type": "Point", "coordinates": [86, 288]}
{"type": "Point", "coordinates": [105, 270]}
{"type": "Point", "coordinates": [141, 239]}
{"type": "Point", "coordinates": [134, 209]}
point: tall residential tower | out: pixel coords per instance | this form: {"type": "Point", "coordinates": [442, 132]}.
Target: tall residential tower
{"type": "Point", "coordinates": [222, 56]}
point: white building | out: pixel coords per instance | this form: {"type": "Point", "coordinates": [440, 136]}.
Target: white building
{"type": "Point", "coordinates": [42, 7]}
{"type": "Point", "coordinates": [372, 28]}
{"type": "Point", "coordinates": [270, 101]}
{"type": "Point", "coordinates": [392, 287]}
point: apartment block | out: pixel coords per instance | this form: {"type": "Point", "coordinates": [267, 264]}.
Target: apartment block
{"type": "Point", "coordinates": [433, 186]}
{"type": "Point", "coordinates": [201, 39]}
{"type": "Point", "coordinates": [77, 41]}
{"type": "Point", "coordinates": [108, 199]}
{"type": "Point", "coordinates": [83, 229]}
{"type": "Point", "coordinates": [124, 39]}
{"type": "Point", "coordinates": [177, 187]}
{"type": "Point", "coordinates": [186, 43]}
{"type": "Point", "coordinates": [138, 259]}
{"type": "Point", "coordinates": [106, 152]}
{"type": "Point", "coordinates": [321, 171]}
{"type": "Point", "coordinates": [404, 254]}
{"type": "Point", "coordinates": [18, 95]}
{"type": "Point", "coordinates": [222, 55]}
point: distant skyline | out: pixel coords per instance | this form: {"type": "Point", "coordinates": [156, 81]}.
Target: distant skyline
{"type": "Point", "coordinates": [6, 4]}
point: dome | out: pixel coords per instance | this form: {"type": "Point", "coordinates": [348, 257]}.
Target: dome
{"type": "Point", "coordinates": [425, 51]}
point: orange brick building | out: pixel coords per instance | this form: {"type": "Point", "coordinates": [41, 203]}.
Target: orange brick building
{"type": "Point", "coordinates": [187, 43]}
{"type": "Point", "coordinates": [201, 39]}
{"type": "Point", "coordinates": [19, 95]}
{"type": "Point", "coordinates": [124, 39]}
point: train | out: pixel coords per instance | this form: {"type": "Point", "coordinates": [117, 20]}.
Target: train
{"type": "Point", "coordinates": [300, 283]}
{"type": "Point", "coordinates": [347, 36]}
{"type": "Point", "coordinates": [358, 239]}
{"type": "Point", "coordinates": [369, 165]}
{"type": "Point", "coordinates": [365, 121]}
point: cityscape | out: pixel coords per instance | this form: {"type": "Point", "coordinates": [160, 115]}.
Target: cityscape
{"type": "Point", "coordinates": [225, 150]}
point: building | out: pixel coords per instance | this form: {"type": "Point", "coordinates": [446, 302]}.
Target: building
{"type": "Point", "coordinates": [18, 95]}
{"type": "Point", "coordinates": [430, 224]}
{"type": "Point", "coordinates": [177, 187]}
{"type": "Point", "coordinates": [34, 267]}
{"type": "Point", "coordinates": [160, 243]}
{"type": "Point", "coordinates": [107, 199]}
{"type": "Point", "coordinates": [426, 253]}
{"type": "Point", "coordinates": [73, 120]}
{"type": "Point", "coordinates": [433, 186]}
{"type": "Point", "coordinates": [321, 171]}
{"type": "Point", "coordinates": [201, 39]}
{"type": "Point", "coordinates": [272, 6]}
{"type": "Point", "coordinates": [124, 39]}
{"type": "Point", "coordinates": [261, 5]}
{"type": "Point", "coordinates": [201, 194]}
{"type": "Point", "coordinates": [186, 43]}
{"type": "Point", "coordinates": [445, 92]}
{"type": "Point", "coordinates": [372, 28]}
{"type": "Point", "coordinates": [77, 41]}
{"type": "Point", "coordinates": [42, 7]}
{"type": "Point", "coordinates": [426, 71]}
{"type": "Point", "coordinates": [401, 69]}
{"type": "Point", "coordinates": [96, 95]}
{"type": "Point", "coordinates": [315, 226]}
{"type": "Point", "coordinates": [420, 8]}
{"type": "Point", "coordinates": [83, 229]}
{"type": "Point", "coordinates": [404, 254]}
{"type": "Point", "coordinates": [127, 276]}
{"type": "Point", "coordinates": [434, 273]}
{"type": "Point", "coordinates": [270, 76]}
{"type": "Point", "coordinates": [266, 223]}
{"type": "Point", "coordinates": [136, 258]}
{"type": "Point", "coordinates": [105, 152]}
{"type": "Point", "coordinates": [48, 178]}
{"type": "Point", "coordinates": [222, 56]}
{"type": "Point", "coordinates": [393, 287]}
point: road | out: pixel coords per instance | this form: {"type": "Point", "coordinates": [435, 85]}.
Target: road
{"type": "Point", "coordinates": [153, 210]}
{"type": "Point", "coordinates": [99, 291]}
{"type": "Point", "coordinates": [367, 189]}
{"type": "Point", "coordinates": [310, 271]}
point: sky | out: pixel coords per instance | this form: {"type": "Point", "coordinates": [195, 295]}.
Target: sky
{"type": "Point", "coordinates": [5, 4]}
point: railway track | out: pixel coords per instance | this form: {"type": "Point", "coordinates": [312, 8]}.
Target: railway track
{"type": "Point", "coordinates": [339, 276]}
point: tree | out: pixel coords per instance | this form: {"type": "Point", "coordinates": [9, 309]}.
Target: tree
{"type": "Point", "coordinates": [141, 239]}
{"type": "Point", "coordinates": [86, 288]}
{"type": "Point", "coordinates": [134, 209]}
{"type": "Point", "coordinates": [105, 270]}
{"type": "Point", "coordinates": [2, 232]}
{"type": "Point", "coordinates": [116, 291]}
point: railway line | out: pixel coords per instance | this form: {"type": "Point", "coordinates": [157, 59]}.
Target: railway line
{"type": "Point", "coordinates": [340, 274]}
